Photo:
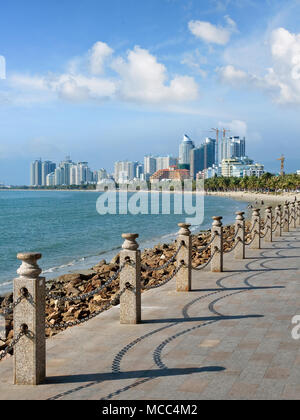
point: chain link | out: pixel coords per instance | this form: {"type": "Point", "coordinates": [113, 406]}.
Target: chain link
{"type": "Point", "coordinates": [252, 240]}
{"type": "Point", "coordinates": [201, 250]}
{"type": "Point", "coordinates": [165, 265]}
{"type": "Point", "coordinates": [67, 324]}
{"type": "Point", "coordinates": [200, 267]}
{"type": "Point", "coordinates": [11, 307]}
{"type": "Point", "coordinates": [252, 229]}
{"type": "Point", "coordinates": [226, 241]}
{"type": "Point", "coordinates": [12, 344]}
{"type": "Point", "coordinates": [234, 246]}
{"type": "Point", "coordinates": [265, 234]}
{"type": "Point", "coordinates": [89, 294]}
{"type": "Point", "coordinates": [164, 281]}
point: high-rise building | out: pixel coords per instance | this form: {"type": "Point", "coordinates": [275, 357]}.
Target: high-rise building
{"type": "Point", "coordinates": [50, 179]}
{"type": "Point", "coordinates": [238, 146]}
{"type": "Point", "coordinates": [232, 147]}
{"type": "Point", "coordinates": [65, 167]}
{"type": "Point", "coordinates": [84, 174]}
{"type": "Point", "coordinates": [139, 171]}
{"type": "Point", "coordinates": [47, 168]}
{"type": "Point", "coordinates": [149, 165]}
{"type": "Point", "coordinates": [185, 150]}
{"type": "Point", "coordinates": [165, 162]}
{"type": "Point", "coordinates": [58, 177]}
{"type": "Point", "coordinates": [125, 171]}
{"type": "Point", "coordinates": [36, 173]}
{"type": "Point", "coordinates": [203, 157]}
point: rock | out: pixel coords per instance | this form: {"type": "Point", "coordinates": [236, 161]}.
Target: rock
{"type": "Point", "coordinates": [97, 266]}
{"type": "Point", "coordinates": [116, 259]}
{"type": "Point", "coordinates": [66, 278]}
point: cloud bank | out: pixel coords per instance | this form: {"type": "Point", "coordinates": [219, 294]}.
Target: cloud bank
{"type": "Point", "coordinates": [137, 77]}
{"type": "Point", "coordinates": [282, 78]}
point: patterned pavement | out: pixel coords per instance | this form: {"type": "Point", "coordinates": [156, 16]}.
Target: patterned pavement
{"type": "Point", "coordinates": [229, 338]}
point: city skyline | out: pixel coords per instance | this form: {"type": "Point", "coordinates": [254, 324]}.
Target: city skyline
{"type": "Point", "coordinates": [223, 157]}
{"type": "Point", "coordinates": [117, 76]}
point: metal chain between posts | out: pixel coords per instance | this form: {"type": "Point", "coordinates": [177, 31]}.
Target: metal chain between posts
{"type": "Point", "coordinates": [275, 226]}
{"type": "Point", "coordinates": [200, 250]}
{"type": "Point", "coordinates": [234, 246]}
{"type": "Point", "coordinates": [165, 265]}
{"type": "Point", "coordinates": [155, 286]}
{"type": "Point", "coordinates": [89, 294]}
{"type": "Point", "coordinates": [252, 240]}
{"type": "Point", "coordinates": [12, 344]}
{"type": "Point", "coordinates": [252, 229]}
{"type": "Point", "coordinates": [200, 267]}
{"type": "Point", "coordinates": [226, 241]}
{"type": "Point", "coordinates": [11, 307]}
{"type": "Point", "coordinates": [87, 318]}
{"type": "Point", "coordinates": [265, 234]}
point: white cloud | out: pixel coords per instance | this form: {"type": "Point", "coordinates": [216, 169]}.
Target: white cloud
{"type": "Point", "coordinates": [236, 127]}
{"type": "Point", "coordinates": [143, 79]}
{"type": "Point", "coordinates": [229, 74]}
{"type": "Point", "coordinates": [97, 56]}
{"type": "Point", "coordinates": [211, 33]}
{"type": "Point", "coordinates": [194, 60]}
{"type": "Point", "coordinates": [140, 78]}
{"type": "Point", "coordinates": [282, 78]}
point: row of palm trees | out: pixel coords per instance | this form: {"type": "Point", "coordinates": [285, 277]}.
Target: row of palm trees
{"type": "Point", "coordinates": [266, 183]}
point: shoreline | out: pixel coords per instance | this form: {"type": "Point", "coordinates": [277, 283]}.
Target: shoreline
{"type": "Point", "coordinates": [248, 197]}
{"type": "Point", "coordinates": [85, 281]}
{"type": "Point", "coordinates": [253, 196]}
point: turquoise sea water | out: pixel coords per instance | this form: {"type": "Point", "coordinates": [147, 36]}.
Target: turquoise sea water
{"type": "Point", "coordinates": [66, 228]}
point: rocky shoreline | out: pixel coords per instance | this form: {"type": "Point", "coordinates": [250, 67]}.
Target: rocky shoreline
{"type": "Point", "coordinates": [76, 284]}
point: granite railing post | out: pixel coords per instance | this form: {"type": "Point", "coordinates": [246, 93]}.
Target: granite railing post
{"type": "Point", "coordinates": [286, 218]}
{"type": "Point", "coordinates": [278, 221]}
{"type": "Point", "coordinates": [293, 214]}
{"type": "Point", "coordinates": [184, 275]}
{"type": "Point", "coordinates": [257, 229]}
{"type": "Point", "coordinates": [298, 213]}
{"type": "Point", "coordinates": [217, 245]}
{"type": "Point", "coordinates": [269, 224]}
{"type": "Point", "coordinates": [130, 278]}
{"type": "Point", "coordinates": [29, 317]}
{"type": "Point", "coordinates": [239, 252]}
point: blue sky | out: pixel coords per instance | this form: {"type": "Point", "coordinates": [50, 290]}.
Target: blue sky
{"type": "Point", "coordinates": [107, 80]}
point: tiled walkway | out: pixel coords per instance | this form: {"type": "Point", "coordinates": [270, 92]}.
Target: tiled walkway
{"type": "Point", "coordinates": [230, 338]}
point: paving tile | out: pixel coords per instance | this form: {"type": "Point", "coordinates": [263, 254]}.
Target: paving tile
{"type": "Point", "coordinates": [277, 373]}
{"type": "Point", "coordinates": [243, 390]}
{"type": "Point", "coordinates": [241, 358]}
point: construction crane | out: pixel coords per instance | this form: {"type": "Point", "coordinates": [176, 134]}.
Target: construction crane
{"type": "Point", "coordinates": [282, 160]}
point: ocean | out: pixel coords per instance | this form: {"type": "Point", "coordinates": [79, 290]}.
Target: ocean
{"type": "Point", "coordinates": [67, 229]}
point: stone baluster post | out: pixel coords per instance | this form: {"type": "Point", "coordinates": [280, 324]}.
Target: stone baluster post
{"type": "Point", "coordinates": [217, 245]}
{"type": "Point", "coordinates": [239, 252]}
{"type": "Point", "coordinates": [298, 213]}
{"type": "Point", "coordinates": [130, 277]}
{"type": "Point", "coordinates": [29, 317]}
{"type": "Point", "coordinates": [293, 213]}
{"type": "Point", "coordinates": [184, 275]}
{"type": "Point", "coordinates": [286, 218]}
{"type": "Point", "coordinates": [257, 229]}
{"type": "Point", "coordinates": [278, 222]}
{"type": "Point", "coordinates": [269, 224]}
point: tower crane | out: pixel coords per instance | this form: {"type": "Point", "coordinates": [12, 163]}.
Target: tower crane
{"type": "Point", "coordinates": [282, 160]}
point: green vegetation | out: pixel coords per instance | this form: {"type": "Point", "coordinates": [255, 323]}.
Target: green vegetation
{"type": "Point", "coordinates": [266, 183]}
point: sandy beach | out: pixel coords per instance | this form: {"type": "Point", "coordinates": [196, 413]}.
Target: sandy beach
{"type": "Point", "coordinates": [253, 197]}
